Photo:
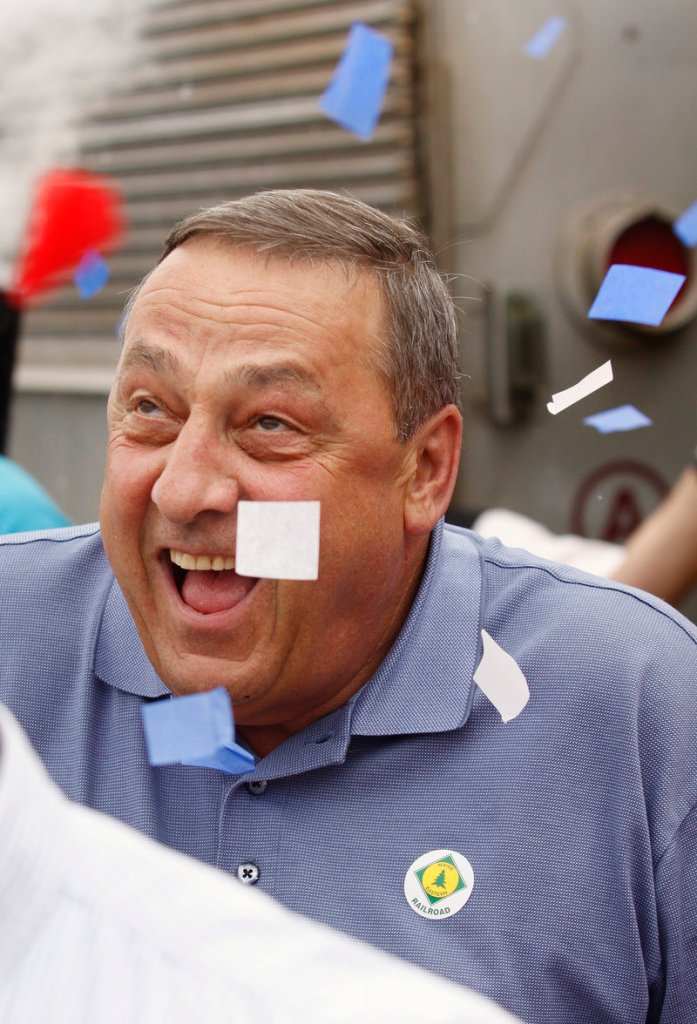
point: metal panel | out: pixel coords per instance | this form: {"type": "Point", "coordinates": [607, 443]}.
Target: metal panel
{"type": "Point", "coordinates": [621, 123]}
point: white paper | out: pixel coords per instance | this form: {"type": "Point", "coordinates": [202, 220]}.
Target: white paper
{"type": "Point", "coordinates": [501, 680]}
{"type": "Point", "coordinates": [596, 379]}
{"type": "Point", "coordinates": [278, 540]}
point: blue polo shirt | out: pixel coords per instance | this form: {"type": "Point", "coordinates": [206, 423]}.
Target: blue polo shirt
{"type": "Point", "coordinates": [578, 817]}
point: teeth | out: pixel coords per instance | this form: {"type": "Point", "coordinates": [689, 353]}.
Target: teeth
{"type": "Point", "coordinates": [201, 562]}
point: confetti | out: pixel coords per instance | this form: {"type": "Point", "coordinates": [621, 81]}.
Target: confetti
{"type": "Point", "coordinates": [685, 226]}
{"type": "Point", "coordinates": [91, 274]}
{"type": "Point", "coordinates": [598, 378]}
{"type": "Point", "coordinates": [278, 539]}
{"type": "Point", "coordinates": [355, 95]}
{"type": "Point", "coordinates": [545, 38]}
{"type": "Point", "coordinates": [639, 295]}
{"type": "Point", "coordinates": [624, 417]}
{"type": "Point", "coordinates": [501, 679]}
{"type": "Point", "coordinates": [194, 730]}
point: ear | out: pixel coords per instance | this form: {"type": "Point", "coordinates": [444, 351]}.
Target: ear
{"type": "Point", "coordinates": [436, 456]}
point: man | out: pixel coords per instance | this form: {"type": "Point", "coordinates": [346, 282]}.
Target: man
{"type": "Point", "coordinates": [298, 346]}
{"type": "Point", "coordinates": [100, 924]}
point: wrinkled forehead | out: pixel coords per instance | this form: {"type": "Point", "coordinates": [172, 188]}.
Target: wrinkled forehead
{"type": "Point", "coordinates": [207, 282]}
{"type": "Point", "coordinates": [211, 298]}
{"type": "Point", "coordinates": [329, 276]}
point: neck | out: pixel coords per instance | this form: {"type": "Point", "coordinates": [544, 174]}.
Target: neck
{"type": "Point", "coordinates": [263, 736]}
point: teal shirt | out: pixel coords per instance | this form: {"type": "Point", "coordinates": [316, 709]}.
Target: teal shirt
{"type": "Point", "coordinates": [24, 504]}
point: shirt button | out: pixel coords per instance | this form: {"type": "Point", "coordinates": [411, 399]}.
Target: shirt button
{"type": "Point", "coordinates": [257, 786]}
{"type": "Point", "coordinates": [248, 874]}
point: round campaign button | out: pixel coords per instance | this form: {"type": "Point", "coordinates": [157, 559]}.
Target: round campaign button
{"type": "Point", "coordinates": [438, 884]}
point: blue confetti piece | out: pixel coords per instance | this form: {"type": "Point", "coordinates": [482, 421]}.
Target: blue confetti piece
{"type": "Point", "coordinates": [196, 730]}
{"type": "Point", "coordinates": [685, 226]}
{"type": "Point", "coordinates": [639, 295]}
{"type": "Point", "coordinates": [545, 38]}
{"type": "Point", "coordinates": [624, 417]}
{"type": "Point", "coordinates": [91, 274]}
{"type": "Point", "coordinates": [233, 760]}
{"type": "Point", "coordinates": [355, 95]}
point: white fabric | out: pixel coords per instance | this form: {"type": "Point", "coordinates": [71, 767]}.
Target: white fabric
{"type": "Point", "coordinates": [98, 925]}
{"type": "Point", "coordinates": [517, 531]}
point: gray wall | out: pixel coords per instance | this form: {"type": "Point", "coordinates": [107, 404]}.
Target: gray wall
{"type": "Point", "coordinates": [531, 144]}
{"type": "Point", "coordinates": [61, 440]}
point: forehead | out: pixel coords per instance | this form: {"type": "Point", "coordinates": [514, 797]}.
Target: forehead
{"type": "Point", "coordinates": [207, 290]}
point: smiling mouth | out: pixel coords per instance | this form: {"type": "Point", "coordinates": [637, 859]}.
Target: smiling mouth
{"type": "Point", "coordinates": [208, 583]}
{"type": "Point", "coordinates": [201, 563]}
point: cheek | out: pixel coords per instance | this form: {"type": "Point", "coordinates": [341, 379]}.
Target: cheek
{"type": "Point", "coordinates": [361, 531]}
{"type": "Point", "coordinates": [129, 478]}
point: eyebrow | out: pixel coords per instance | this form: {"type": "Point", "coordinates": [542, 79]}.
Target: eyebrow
{"type": "Point", "coordinates": [258, 377]}
{"type": "Point", "coordinates": [251, 375]}
{"type": "Point", "coordinates": [155, 358]}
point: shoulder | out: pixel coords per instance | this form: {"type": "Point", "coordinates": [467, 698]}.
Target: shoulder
{"type": "Point", "coordinates": [581, 627]}
{"type": "Point", "coordinates": [611, 670]}
{"type": "Point", "coordinates": [50, 570]}
{"type": "Point", "coordinates": [53, 544]}
{"type": "Point", "coordinates": [525, 588]}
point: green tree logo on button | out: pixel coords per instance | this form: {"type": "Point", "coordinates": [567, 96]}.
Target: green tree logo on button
{"type": "Point", "coordinates": [440, 879]}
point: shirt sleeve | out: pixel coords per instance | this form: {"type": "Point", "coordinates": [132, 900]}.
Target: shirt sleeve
{"type": "Point", "coordinates": [676, 895]}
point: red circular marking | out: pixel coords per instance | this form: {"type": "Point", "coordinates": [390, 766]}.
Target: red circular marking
{"type": "Point", "coordinates": [620, 467]}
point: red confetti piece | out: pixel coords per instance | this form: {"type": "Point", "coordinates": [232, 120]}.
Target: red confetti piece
{"type": "Point", "coordinates": [73, 211]}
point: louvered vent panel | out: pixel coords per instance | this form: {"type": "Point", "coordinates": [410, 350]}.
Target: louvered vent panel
{"type": "Point", "coordinates": [225, 103]}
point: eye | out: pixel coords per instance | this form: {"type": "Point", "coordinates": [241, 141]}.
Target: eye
{"type": "Point", "coordinates": [146, 407]}
{"type": "Point", "coordinates": [270, 425]}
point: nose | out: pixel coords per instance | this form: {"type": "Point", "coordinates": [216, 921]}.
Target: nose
{"type": "Point", "coordinates": [197, 477]}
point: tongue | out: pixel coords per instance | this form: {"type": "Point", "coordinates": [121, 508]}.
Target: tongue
{"type": "Point", "coordinates": [208, 592]}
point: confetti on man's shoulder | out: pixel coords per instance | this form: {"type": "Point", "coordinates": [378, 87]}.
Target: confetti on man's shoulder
{"type": "Point", "coordinates": [639, 295]}
{"type": "Point", "coordinates": [612, 421]}
{"type": "Point", "coordinates": [539, 45]}
{"type": "Point", "coordinates": [355, 95]}
{"type": "Point", "coordinates": [685, 226]}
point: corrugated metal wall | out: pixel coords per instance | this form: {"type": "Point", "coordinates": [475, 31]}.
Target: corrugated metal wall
{"type": "Point", "coordinates": [222, 102]}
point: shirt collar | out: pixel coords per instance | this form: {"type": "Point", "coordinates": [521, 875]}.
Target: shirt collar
{"type": "Point", "coordinates": [423, 685]}
{"type": "Point", "coordinates": [425, 682]}
{"type": "Point", "coordinates": [120, 659]}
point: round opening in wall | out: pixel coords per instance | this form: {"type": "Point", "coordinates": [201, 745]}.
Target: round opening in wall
{"type": "Point", "coordinates": [631, 227]}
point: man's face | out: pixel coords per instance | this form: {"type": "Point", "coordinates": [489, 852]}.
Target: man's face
{"type": "Point", "coordinates": [246, 379]}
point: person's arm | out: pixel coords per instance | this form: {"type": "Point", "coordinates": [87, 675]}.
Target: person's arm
{"type": "Point", "coordinates": [661, 554]}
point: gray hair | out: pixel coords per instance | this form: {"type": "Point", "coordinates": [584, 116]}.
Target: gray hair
{"type": "Point", "coordinates": [419, 357]}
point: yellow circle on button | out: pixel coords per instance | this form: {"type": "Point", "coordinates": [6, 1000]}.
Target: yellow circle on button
{"type": "Point", "coordinates": [440, 879]}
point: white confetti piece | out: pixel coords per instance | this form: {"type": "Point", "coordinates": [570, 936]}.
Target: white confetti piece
{"type": "Point", "coordinates": [278, 540]}
{"type": "Point", "coordinates": [598, 378]}
{"type": "Point", "coordinates": [501, 680]}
